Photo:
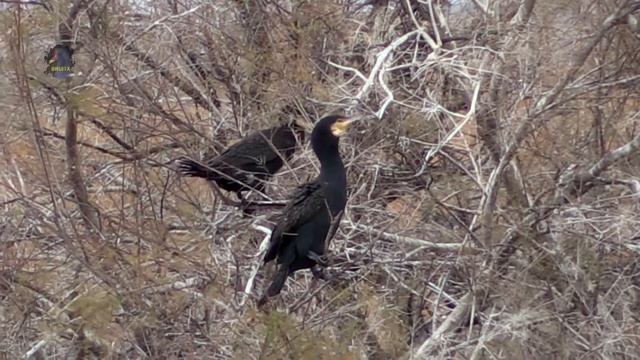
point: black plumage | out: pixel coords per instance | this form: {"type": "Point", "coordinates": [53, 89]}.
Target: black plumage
{"type": "Point", "coordinates": [299, 236]}
{"type": "Point", "coordinates": [248, 163]}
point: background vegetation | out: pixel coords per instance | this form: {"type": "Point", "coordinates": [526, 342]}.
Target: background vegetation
{"type": "Point", "coordinates": [522, 115]}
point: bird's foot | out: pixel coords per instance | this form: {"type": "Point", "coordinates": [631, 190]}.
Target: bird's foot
{"type": "Point", "coordinates": [319, 259]}
{"type": "Point", "coordinates": [263, 301]}
{"type": "Point", "coordinates": [245, 206]}
{"type": "Point", "coordinates": [318, 273]}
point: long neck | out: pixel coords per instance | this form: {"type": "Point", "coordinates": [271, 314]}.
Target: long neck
{"type": "Point", "coordinates": [331, 166]}
{"type": "Point", "coordinates": [332, 174]}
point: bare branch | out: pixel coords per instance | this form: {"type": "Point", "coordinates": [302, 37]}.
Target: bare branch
{"type": "Point", "coordinates": [74, 167]}
{"type": "Point", "coordinates": [181, 84]}
{"type": "Point", "coordinates": [539, 108]}
{"type": "Point", "coordinates": [25, 2]}
{"type": "Point", "coordinates": [35, 348]}
{"type": "Point", "coordinates": [264, 245]}
{"type": "Point", "coordinates": [453, 321]}
{"type": "Point", "coordinates": [625, 151]}
{"type": "Point", "coordinates": [484, 8]}
{"type": "Point", "coordinates": [524, 12]}
{"type": "Point", "coordinates": [407, 240]}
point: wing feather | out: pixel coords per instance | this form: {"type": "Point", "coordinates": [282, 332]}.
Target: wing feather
{"type": "Point", "coordinates": [307, 201]}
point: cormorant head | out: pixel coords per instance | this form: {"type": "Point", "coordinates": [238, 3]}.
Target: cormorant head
{"type": "Point", "coordinates": [331, 126]}
{"type": "Point", "coordinates": [327, 131]}
{"type": "Point", "coordinates": [340, 126]}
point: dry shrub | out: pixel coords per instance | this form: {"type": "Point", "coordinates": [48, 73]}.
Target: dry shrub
{"type": "Point", "coordinates": [549, 263]}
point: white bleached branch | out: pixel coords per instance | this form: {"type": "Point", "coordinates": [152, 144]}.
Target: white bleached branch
{"type": "Point", "coordinates": [455, 318]}
{"type": "Point", "coordinates": [256, 266]}
{"type": "Point", "coordinates": [405, 239]}
{"type": "Point", "coordinates": [472, 109]}
{"type": "Point", "coordinates": [350, 69]}
{"type": "Point", "coordinates": [386, 89]}
{"type": "Point", "coordinates": [380, 60]}
{"type": "Point", "coordinates": [613, 156]}
{"type": "Point", "coordinates": [35, 348]}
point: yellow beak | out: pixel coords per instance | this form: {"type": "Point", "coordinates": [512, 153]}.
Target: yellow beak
{"type": "Point", "coordinates": [340, 127]}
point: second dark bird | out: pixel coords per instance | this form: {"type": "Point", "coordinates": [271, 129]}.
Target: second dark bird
{"type": "Point", "coordinates": [247, 164]}
{"type": "Point", "coordinates": [298, 238]}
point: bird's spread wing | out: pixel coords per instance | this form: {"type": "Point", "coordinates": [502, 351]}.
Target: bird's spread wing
{"type": "Point", "coordinates": [306, 201]}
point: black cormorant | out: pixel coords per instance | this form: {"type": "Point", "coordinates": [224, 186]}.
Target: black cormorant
{"type": "Point", "coordinates": [247, 164]}
{"type": "Point", "coordinates": [299, 236]}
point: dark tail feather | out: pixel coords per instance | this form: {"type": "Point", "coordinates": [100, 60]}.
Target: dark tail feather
{"type": "Point", "coordinates": [278, 282]}
{"type": "Point", "coordinates": [190, 167]}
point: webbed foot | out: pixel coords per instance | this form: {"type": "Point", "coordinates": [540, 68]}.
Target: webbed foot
{"type": "Point", "coordinates": [321, 260]}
